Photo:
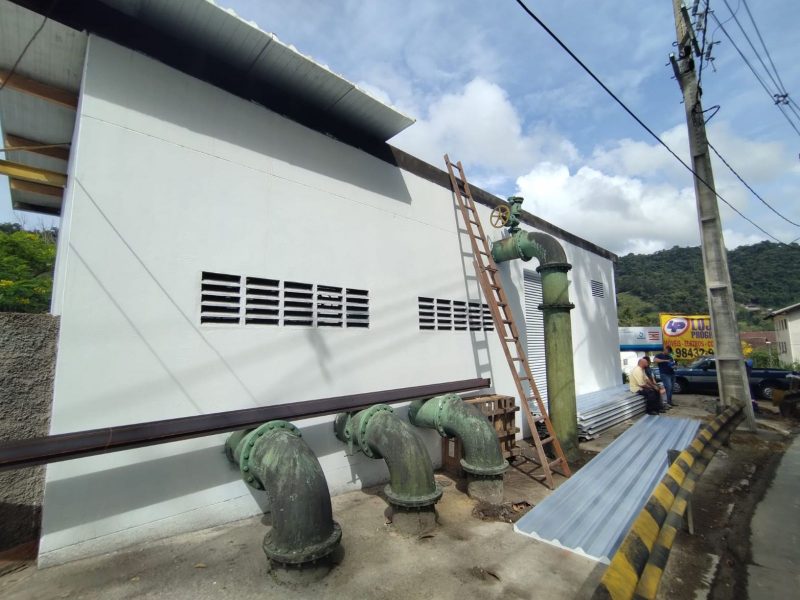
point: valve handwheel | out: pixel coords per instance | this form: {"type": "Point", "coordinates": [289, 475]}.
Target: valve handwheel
{"type": "Point", "coordinates": [499, 216]}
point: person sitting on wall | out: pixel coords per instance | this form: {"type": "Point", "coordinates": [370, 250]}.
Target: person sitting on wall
{"type": "Point", "coordinates": [666, 368]}
{"type": "Point", "coordinates": [641, 384]}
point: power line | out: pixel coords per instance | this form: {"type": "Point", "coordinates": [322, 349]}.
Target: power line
{"type": "Point", "coordinates": [758, 33]}
{"type": "Point", "coordinates": [637, 119]}
{"type": "Point", "coordinates": [757, 76]}
{"type": "Point", "coordinates": [747, 185]}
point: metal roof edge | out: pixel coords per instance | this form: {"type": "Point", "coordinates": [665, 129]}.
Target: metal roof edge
{"type": "Point", "coordinates": [436, 175]}
{"type": "Point", "coordinates": [103, 18]}
{"type": "Point", "coordinates": [785, 309]}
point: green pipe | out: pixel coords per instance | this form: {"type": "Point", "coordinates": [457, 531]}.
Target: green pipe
{"type": "Point", "coordinates": [275, 458]}
{"type": "Point", "coordinates": [379, 433]}
{"type": "Point", "coordinates": [555, 305]}
{"type": "Point", "coordinates": [452, 417]}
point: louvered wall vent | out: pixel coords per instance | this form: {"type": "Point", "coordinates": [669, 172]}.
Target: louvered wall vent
{"type": "Point", "coordinates": [262, 301]}
{"type": "Point", "coordinates": [453, 315]}
{"type": "Point", "coordinates": [357, 308]}
{"type": "Point", "coordinates": [597, 288]}
{"type": "Point", "coordinates": [220, 298]}
{"type": "Point", "coordinates": [288, 303]}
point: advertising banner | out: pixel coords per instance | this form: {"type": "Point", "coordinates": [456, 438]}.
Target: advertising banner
{"type": "Point", "coordinates": [640, 338]}
{"type": "Point", "coordinates": [689, 335]}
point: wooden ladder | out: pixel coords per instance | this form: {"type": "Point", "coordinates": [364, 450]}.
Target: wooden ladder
{"type": "Point", "coordinates": [492, 286]}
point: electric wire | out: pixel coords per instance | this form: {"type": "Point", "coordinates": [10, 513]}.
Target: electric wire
{"type": "Point", "coordinates": [761, 39]}
{"type": "Point", "coordinates": [591, 74]}
{"type": "Point", "coordinates": [747, 185]}
{"type": "Point", "coordinates": [752, 47]}
{"type": "Point", "coordinates": [757, 76]}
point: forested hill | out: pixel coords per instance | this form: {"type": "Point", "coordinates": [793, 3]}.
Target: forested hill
{"type": "Point", "coordinates": [765, 277]}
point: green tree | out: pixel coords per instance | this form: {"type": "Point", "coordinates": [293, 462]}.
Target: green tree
{"type": "Point", "coordinates": [26, 269]}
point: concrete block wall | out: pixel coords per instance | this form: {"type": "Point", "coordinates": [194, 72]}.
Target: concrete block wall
{"type": "Point", "coordinates": [27, 366]}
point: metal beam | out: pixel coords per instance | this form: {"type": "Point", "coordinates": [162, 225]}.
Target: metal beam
{"type": "Point", "coordinates": [37, 208]}
{"type": "Point", "coordinates": [32, 174]}
{"type": "Point", "coordinates": [16, 143]}
{"type": "Point", "coordinates": [38, 89]}
{"type": "Point", "coordinates": [36, 188]}
{"type": "Point", "coordinates": [26, 453]}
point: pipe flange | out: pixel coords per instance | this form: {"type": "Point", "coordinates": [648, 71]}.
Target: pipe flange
{"type": "Point", "coordinates": [564, 267]}
{"type": "Point", "coordinates": [413, 501]}
{"type": "Point", "coordinates": [249, 441]}
{"type": "Point", "coordinates": [556, 306]}
{"type": "Point", "coordinates": [304, 555]}
{"type": "Point", "coordinates": [488, 471]}
{"type": "Point", "coordinates": [363, 423]}
{"type": "Point", "coordinates": [440, 408]}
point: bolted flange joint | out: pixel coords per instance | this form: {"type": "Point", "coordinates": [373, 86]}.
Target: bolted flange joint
{"type": "Point", "coordinates": [246, 443]}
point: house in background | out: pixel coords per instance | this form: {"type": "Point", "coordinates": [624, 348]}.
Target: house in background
{"type": "Point", "coordinates": [236, 232]}
{"type": "Point", "coordinates": [787, 333]}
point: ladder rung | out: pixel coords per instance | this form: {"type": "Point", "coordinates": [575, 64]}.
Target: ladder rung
{"type": "Point", "coordinates": [511, 339]}
{"type": "Point", "coordinates": [484, 253]}
{"type": "Point", "coordinates": [474, 222]}
{"type": "Point", "coordinates": [519, 358]}
{"type": "Point", "coordinates": [502, 304]}
{"type": "Point", "coordinates": [507, 321]}
{"type": "Point", "coordinates": [547, 440]}
{"type": "Point", "coordinates": [557, 461]}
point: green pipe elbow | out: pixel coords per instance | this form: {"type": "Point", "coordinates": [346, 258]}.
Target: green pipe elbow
{"type": "Point", "coordinates": [451, 416]}
{"type": "Point", "coordinates": [275, 458]}
{"type": "Point", "coordinates": [379, 433]}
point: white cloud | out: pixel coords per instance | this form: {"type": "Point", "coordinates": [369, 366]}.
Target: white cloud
{"type": "Point", "coordinates": [623, 214]}
{"type": "Point", "coordinates": [480, 126]}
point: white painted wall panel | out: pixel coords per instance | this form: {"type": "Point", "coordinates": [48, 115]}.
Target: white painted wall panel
{"type": "Point", "coordinates": [175, 178]}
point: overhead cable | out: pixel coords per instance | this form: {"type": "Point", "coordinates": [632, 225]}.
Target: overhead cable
{"type": "Point", "coordinates": [637, 119]}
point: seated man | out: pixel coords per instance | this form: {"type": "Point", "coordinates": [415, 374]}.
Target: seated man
{"type": "Point", "coordinates": [641, 384]}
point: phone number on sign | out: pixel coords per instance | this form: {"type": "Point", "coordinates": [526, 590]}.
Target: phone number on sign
{"type": "Point", "coordinates": [691, 352]}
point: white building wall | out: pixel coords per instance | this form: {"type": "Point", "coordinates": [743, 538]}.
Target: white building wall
{"type": "Point", "coordinates": [787, 336]}
{"type": "Point", "coordinates": [176, 177]}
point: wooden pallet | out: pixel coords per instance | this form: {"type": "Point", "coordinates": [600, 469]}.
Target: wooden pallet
{"type": "Point", "coordinates": [501, 412]}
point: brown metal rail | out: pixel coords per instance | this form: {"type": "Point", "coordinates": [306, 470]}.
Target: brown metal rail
{"type": "Point", "coordinates": [37, 451]}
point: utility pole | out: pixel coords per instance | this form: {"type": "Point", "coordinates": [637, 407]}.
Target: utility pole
{"type": "Point", "coordinates": [734, 386]}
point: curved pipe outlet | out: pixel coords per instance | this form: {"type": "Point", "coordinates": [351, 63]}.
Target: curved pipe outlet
{"type": "Point", "coordinates": [451, 416]}
{"type": "Point", "coordinates": [379, 433]}
{"type": "Point", "coordinates": [275, 458]}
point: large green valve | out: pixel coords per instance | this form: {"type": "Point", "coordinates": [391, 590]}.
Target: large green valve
{"type": "Point", "coordinates": [553, 266]}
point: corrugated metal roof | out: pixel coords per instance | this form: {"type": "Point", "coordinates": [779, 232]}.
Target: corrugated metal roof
{"type": "Point", "coordinates": [55, 58]}
{"type": "Point", "coordinates": [592, 511]}
{"type": "Point", "coordinates": [266, 60]}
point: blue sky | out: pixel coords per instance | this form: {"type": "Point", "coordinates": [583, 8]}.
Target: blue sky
{"type": "Point", "coordinates": [487, 86]}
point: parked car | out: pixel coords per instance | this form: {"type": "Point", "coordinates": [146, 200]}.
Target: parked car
{"type": "Point", "coordinates": [701, 376]}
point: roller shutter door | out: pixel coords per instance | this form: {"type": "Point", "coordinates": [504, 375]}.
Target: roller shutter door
{"type": "Point", "coordinates": [534, 328]}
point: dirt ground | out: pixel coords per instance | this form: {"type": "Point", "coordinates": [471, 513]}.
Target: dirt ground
{"type": "Point", "coordinates": [712, 563]}
{"type": "Point", "coordinates": [473, 552]}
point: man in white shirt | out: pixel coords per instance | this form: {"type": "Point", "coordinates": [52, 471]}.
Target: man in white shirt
{"type": "Point", "coordinates": [641, 384]}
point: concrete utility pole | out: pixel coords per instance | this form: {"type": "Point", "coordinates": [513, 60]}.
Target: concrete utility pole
{"type": "Point", "coordinates": [734, 387]}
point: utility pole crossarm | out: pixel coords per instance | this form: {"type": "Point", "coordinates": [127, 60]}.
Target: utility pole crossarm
{"type": "Point", "coordinates": [732, 379]}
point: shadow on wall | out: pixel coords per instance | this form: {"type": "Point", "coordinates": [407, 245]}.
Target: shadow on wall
{"type": "Point", "coordinates": [211, 112]}
{"type": "Point", "coordinates": [146, 483]}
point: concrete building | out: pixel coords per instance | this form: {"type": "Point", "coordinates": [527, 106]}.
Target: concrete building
{"type": "Point", "coordinates": [236, 232]}
{"type": "Point", "coordinates": [787, 333]}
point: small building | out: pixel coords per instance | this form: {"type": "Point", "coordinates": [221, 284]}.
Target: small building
{"type": "Point", "coordinates": [236, 232]}
{"type": "Point", "coordinates": [787, 333]}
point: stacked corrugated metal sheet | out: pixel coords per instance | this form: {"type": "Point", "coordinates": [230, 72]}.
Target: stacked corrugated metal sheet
{"type": "Point", "coordinates": [603, 409]}
{"type": "Point", "coordinates": [592, 511]}
{"type": "Point", "coordinates": [597, 411]}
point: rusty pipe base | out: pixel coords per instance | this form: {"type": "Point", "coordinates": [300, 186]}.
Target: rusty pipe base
{"type": "Point", "coordinates": [486, 488]}
{"type": "Point", "coordinates": [412, 522]}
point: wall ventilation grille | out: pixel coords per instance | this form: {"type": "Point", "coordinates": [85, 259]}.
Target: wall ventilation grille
{"type": "Point", "coordinates": [262, 301]}
{"type": "Point", "coordinates": [276, 303]}
{"type": "Point", "coordinates": [597, 288]}
{"type": "Point", "coordinates": [357, 308]}
{"type": "Point", "coordinates": [220, 298]}
{"type": "Point", "coordinates": [453, 315]}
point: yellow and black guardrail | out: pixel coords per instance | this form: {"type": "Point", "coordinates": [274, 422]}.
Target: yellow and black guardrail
{"type": "Point", "coordinates": [636, 568]}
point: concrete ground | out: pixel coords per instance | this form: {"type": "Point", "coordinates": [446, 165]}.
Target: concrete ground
{"type": "Point", "coordinates": [473, 553]}
{"type": "Point", "coordinates": [774, 570]}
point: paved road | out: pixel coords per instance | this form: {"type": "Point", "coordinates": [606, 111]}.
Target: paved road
{"type": "Point", "coordinates": [775, 534]}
